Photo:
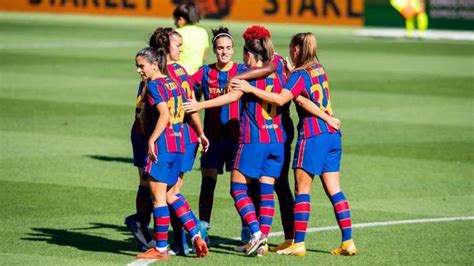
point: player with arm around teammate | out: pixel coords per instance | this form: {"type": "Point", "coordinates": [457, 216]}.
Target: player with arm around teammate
{"type": "Point", "coordinates": [318, 150]}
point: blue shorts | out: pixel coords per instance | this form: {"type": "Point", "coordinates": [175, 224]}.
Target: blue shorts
{"type": "Point", "coordinates": [220, 152]}
{"type": "Point", "coordinates": [189, 157]}
{"type": "Point", "coordinates": [140, 149]}
{"type": "Point", "coordinates": [319, 154]}
{"type": "Point", "coordinates": [166, 169]}
{"type": "Point", "coordinates": [257, 159]}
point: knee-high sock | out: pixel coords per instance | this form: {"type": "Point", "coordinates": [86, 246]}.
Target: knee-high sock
{"type": "Point", "coordinates": [302, 211]}
{"type": "Point", "coordinates": [267, 208]}
{"type": "Point", "coordinates": [162, 220]}
{"type": "Point", "coordinates": [244, 205]}
{"type": "Point", "coordinates": [206, 198]}
{"type": "Point", "coordinates": [183, 211]}
{"type": "Point", "coordinates": [343, 214]}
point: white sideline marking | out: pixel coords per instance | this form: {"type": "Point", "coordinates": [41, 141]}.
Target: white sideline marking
{"type": "Point", "coordinates": [143, 262]}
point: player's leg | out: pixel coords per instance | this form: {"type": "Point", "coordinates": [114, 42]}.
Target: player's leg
{"type": "Point", "coordinates": [161, 222]}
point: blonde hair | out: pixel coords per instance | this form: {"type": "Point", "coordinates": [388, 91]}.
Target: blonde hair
{"type": "Point", "coordinates": [307, 54]}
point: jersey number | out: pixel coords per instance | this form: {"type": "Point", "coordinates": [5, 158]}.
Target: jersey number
{"type": "Point", "coordinates": [268, 110]}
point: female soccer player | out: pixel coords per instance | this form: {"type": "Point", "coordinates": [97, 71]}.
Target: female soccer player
{"type": "Point", "coordinates": [318, 150]}
{"type": "Point", "coordinates": [221, 124]}
{"type": "Point", "coordinates": [278, 66]}
{"type": "Point", "coordinates": [195, 38]}
{"type": "Point", "coordinates": [165, 150]}
{"type": "Point", "coordinates": [260, 153]}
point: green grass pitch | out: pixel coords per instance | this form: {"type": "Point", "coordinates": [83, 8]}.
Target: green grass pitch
{"type": "Point", "coordinates": [67, 88]}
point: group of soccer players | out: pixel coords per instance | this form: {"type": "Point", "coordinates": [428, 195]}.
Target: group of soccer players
{"type": "Point", "coordinates": [247, 128]}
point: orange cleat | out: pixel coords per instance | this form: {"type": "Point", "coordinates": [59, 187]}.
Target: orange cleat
{"type": "Point", "coordinates": [153, 254]}
{"type": "Point", "coordinates": [201, 247]}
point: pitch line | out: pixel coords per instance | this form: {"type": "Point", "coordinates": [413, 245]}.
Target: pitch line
{"type": "Point", "coordinates": [143, 262]}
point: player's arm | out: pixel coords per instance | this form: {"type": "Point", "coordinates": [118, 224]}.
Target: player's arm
{"type": "Point", "coordinates": [194, 106]}
{"type": "Point", "coordinates": [313, 109]}
{"type": "Point", "coordinates": [196, 123]}
{"type": "Point", "coordinates": [159, 128]}
{"type": "Point", "coordinates": [278, 99]}
{"type": "Point", "coordinates": [258, 73]}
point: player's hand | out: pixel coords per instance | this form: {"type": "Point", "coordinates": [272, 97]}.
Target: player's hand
{"type": "Point", "coordinates": [334, 123]}
{"type": "Point", "coordinates": [240, 84]}
{"type": "Point", "coordinates": [204, 143]}
{"type": "Point", "coordinates": [151, 152]}
{"type": "Point", "coordinates": [192, 106]}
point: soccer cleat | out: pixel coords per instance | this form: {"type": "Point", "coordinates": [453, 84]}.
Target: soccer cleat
{"type": "Point", "coordinates": [347, 248]}
{"type": "Point", "coordinates": [136, 229]}
{"type": "Point", "coordinates": [261, 251]}
{"type": "Point", "coordinates": [255, 244]}
{"type": "Point", "coordinates": [242, 248]}
{"type": "Point", "coordinates": [153, 254]}
{"type": "Point", "coordinates": [245, 234]}
{"type": "Point", "coordinates": [200, 246]}
{"type": "Point", "coordinates": [295, 249]}
{"type": "Point", "coordinates": [282, 246]}
{"type": "Point", "coordinates": [203, 229]}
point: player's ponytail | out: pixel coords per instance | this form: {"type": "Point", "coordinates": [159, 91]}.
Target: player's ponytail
{"type": "Point", "coordinates": [257, 48]}
{"type": "Point", "coordinates": [307, 45]}
{"type": "Point", "coordinates": [151, 55]}
{"type": "Point", "coordinates": [160, 38]}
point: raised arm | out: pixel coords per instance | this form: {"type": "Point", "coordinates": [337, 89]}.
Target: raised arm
{"type": "Point", "coordinates": [279, 99]}
{"type": "Point", "coordinates": [313, 109]}
{"type": "Point", "coordinates": [159, 128]}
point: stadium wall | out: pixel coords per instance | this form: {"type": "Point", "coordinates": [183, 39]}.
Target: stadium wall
{"type": "Point", "coordinates": [323, 12]}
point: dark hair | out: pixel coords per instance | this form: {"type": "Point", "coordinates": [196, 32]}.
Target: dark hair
{"type": "Point", "coordinates": [189, 12]}
{"type": "Point", "coordinates": [220, 32]}
{"type": "Point", "coordinates": [160, 38]}
{"type": "Point", "coordinates": [306, 42]}
{"type": "Point", "coordinates": [261, 48]}
{"type": "Point", "coordinates": [155, 55]}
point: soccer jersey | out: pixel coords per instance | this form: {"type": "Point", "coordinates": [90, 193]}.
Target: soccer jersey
{"type": "Point", "coordinates": [140, 104]}
{"type": "Point", "coordinates": [165, 90]}
{"type": "Point", "coordinates": [313, 84]}
{"type": "Point", "coordinates": [219, 122]}
{"type": "Point", "coordinates": [261, 121]}
{"type": "Point", "coordinates": [180, 76]}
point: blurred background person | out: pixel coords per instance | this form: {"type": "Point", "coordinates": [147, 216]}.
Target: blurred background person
{"type": "Point", "coordinates": [195, 38]}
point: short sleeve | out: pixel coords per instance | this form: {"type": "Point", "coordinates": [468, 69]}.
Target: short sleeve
{"type": "Point", "coordinates": [295, 84]}
{"type": "Point", "coordinates": [154, 91]}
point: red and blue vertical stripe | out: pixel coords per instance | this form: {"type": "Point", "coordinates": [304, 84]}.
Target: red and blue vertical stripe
{"type": "Point", "coordinates": [261, 121]}
{"type": "Point", "coordinates": [312, 84]}
{"type": "Point", "coordinates": [220, 122]}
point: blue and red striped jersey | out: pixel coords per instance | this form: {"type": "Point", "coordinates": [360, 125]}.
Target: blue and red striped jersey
{"type": "Point", "coordinates": [261, 121]}
{"type": "Point", "coordinates": [165, 90]}
{"type": "Point", "coordinates": [311, 83]}
{"type": "Point", "coordinates": [219, 122]}
{"type": "Point", "coordinates": [180, 76]}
